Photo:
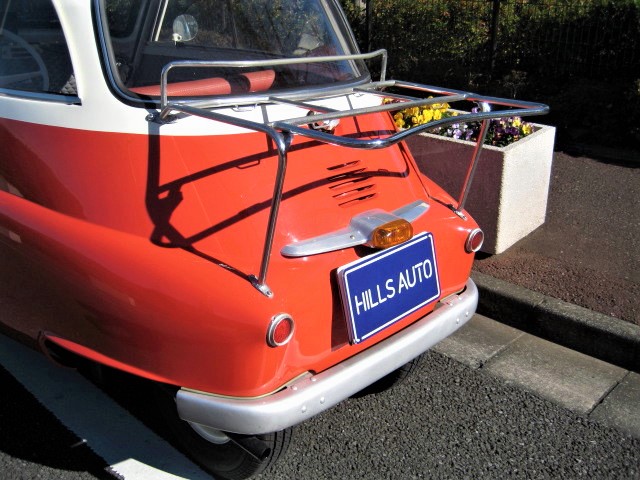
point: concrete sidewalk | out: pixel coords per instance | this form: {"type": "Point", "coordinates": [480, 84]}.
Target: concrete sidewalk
{"type": "Point", "coordinates": [576, 280]}
{"type": "Point", "coordinates": [603, 392]}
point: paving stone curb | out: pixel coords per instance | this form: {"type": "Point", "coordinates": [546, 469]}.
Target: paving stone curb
{"type": "Point", "coordinates": [592, 333]}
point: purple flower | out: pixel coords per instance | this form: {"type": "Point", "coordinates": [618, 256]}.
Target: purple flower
{"type": "Point", "coordinates": [457, 133]}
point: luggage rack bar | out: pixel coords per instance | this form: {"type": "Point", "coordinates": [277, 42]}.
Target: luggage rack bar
{"type": "Point", "coordinates": [283, 131]}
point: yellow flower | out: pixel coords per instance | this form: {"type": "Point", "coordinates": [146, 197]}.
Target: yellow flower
{"type": "Point", "coordinates": [527, 128]}
{"type": "Point", "coordinates": [414, 116]}
{"type": "Point", "coordinates": [427, 114]}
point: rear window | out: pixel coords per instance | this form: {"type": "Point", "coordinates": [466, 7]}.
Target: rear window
{"type": "Point", "coordinates": [147, 35]}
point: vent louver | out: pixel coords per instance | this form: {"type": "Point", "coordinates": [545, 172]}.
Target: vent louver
{"type": "Point", "coordinates": [350, 184]}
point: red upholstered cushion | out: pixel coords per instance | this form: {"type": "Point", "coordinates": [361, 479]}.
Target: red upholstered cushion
{"type": "Point", "coordinates": [206, 86]}
{"type": "Point", "coordinates": [246, 82]}
{"type": "Point", "coordinates": [260, 80]}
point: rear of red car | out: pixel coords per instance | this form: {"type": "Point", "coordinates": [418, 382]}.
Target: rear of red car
{"type": "Point", "coordinates": [223, 205]}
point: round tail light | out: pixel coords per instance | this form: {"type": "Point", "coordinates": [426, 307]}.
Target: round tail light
{"type": "Point", "coordinates": [474, 241]}
{"type": "Point", "coordinates": [280, 330]}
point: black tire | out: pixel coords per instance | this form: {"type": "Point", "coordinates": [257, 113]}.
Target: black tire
{"type": "Point", "coordinates": [224, 460]}
{"type": "Point", "coordinates": [394, 378]}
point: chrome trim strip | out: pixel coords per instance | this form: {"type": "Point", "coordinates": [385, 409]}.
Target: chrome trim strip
{"type": "Point", "coordinates": [358, 232]}
{"type": "Point", "coordinates": [263, 63]}
{"type": "Point", "coordinates": [471, 169]}
{"type": "Point", "coordinates": [41, 96]}
{"type": "Point", "coordinates": [313, 394]}
{"type": "Point", "coordinates": [258, 98]}
{"type": "Point", "coordinates": [380, 108]}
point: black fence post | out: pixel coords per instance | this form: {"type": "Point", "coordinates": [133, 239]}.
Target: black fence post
{"type": "Point", "coordinates": [493, 46]}
{"type": "Point", "coordinates": [369, 18]}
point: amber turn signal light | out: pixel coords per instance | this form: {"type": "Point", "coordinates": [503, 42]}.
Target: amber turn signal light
{"type": "Point", "coordinates": [391, 233]}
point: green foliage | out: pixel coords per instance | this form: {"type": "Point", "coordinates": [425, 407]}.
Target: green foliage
{"type": "Point", "coordinates": [579, 56]}
{"type": "Point", "coordinates": [421, 36]}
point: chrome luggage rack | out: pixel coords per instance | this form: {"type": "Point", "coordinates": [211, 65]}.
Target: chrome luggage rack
{"type": "Point", "coordinates": [282, 131]}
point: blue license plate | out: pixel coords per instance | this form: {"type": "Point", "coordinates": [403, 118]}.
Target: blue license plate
{"type": "Point", "coordinates": [380, 289]}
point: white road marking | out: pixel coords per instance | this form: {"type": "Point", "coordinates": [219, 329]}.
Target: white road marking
{"type": "Point", "coordinates": [130, 448]}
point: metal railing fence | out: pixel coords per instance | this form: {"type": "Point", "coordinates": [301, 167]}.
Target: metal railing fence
{"type": "Point", "coordinates": [598, 38]}
{"type": "Point", "coordinates": [572, 54]}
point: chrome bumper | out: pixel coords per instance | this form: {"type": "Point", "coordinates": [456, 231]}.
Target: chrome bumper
{"type": "Point", "coordinates": [313, 394]}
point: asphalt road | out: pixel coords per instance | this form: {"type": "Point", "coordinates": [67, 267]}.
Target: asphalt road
{"type": "Point", "coordinates": [447, 422]}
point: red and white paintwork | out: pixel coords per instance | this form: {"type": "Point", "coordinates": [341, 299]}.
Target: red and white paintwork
{"type": "Point", "coordinates": [143, 234]}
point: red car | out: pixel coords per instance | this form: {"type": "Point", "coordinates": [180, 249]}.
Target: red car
{"type": "Point", "coordinates": [213, 195]}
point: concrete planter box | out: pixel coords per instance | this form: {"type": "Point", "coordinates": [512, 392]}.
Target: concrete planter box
{"type": "Point", "coordinates": [508, 197]}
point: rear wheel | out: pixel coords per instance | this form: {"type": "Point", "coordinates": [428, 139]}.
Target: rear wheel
{"type": "Point", "coordinates": [225, 455]}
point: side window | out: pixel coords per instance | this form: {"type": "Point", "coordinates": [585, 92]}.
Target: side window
{"type": "Point", "coordinates": [122, 16]}
{"type": "Point", "coordinates": [34, 56]}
